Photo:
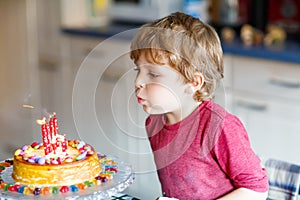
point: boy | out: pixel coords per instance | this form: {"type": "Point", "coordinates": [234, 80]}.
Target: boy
{"type": "Point", "coordinates": [201, 151]}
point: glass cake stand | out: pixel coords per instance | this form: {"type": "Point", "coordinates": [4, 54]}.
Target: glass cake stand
{"type": "Point", "coordinates": [121, 180]}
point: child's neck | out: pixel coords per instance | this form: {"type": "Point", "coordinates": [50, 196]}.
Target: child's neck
{"type": "Point", "coordinates": [177, 116]}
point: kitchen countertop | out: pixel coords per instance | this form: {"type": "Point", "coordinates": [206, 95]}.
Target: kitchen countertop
{"type": "Point", "coordinates": [288, 52]}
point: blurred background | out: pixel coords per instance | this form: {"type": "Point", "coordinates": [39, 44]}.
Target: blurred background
{"type": "Point", "coordinates": [43, 44]}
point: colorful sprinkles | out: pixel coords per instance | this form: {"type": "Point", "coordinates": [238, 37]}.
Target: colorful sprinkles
{"type": "Point", "coordinates": [54, 159]}
{"type": "Point", "coordinates": [109, 169]}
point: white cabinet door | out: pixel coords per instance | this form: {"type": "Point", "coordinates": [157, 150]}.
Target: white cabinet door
{"type": "Point", "coordinates": [265, 77]}
{"type": "Point", "coordinates": [19, 82]}
{"type": "Point", "coordinates": [272, 125]}
{"type": "Point", "coordinates": [50, 65]}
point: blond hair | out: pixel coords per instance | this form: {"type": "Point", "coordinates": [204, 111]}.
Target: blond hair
{"type": "Point", "coordinates": [189, 45]}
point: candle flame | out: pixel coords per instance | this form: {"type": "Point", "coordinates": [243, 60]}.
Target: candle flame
{"type": "Point", "coordinates": [41, 121]}
{"type": "Point", "coordinates": [27, 106]}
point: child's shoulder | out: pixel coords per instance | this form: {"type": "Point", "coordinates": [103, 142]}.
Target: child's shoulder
{"type": "Point", "coordinates": [214, 108]}
{"type": "Point", "coordinates": [220, 112]}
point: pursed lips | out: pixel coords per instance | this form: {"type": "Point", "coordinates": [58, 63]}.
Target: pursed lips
{"type": "Point", "coordinates": [140, 100]}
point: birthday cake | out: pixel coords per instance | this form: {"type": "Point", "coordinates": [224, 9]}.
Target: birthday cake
{"type": "Point", "coordinates": [32, 167]}
{"type": "Point", "coordinates": [58, 163]}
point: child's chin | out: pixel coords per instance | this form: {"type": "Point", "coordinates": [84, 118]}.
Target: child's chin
{"type": "Point", "coordinates": [154, 110]}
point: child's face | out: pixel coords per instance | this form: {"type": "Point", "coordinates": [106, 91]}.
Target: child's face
{"type": "Point", "coordinates": [160, 89]}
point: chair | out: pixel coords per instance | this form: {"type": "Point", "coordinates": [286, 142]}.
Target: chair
{"type": "Point", "coordinates": [284, 180]}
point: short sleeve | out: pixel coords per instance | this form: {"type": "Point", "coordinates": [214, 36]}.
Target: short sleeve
{"type": "Point", "coordinates": [236, 157]}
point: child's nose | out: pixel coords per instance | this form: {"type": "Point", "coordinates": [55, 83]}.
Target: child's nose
{"type": "Point", "coordinates": [138, 81]}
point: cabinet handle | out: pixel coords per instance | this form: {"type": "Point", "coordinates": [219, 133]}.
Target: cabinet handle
{"type": "Point", "coordinates": [252, 105]}
{"type": "Point", "coordinates": [111, 77]}
{"type": "Point", "coordinates": [97, 53]}
{"type": "Point", "coordinates": [285, 83]}
{"type": "Point", "coordinates": [48, 65]}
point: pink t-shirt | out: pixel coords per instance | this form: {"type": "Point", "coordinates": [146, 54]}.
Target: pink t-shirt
{"type": "Point", "coordinates": [205, 156]}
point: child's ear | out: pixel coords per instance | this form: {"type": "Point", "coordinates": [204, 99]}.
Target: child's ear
{"type": "Point", "coordinates": [196, 84]}
{"type": "Point", "coordinates": [198, 80]}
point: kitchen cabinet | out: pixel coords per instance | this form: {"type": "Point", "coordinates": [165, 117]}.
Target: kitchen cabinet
{"type": "Point", "coordinates": [19, 82]}
{"type": "Point", "coordinates": [273, 126]}
{"type": "Point", "coordinates": [265, 96]}
{"type": "Point", "coordinates": [49, 55]}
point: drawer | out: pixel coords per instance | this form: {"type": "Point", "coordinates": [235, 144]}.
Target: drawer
{"type": "Point", "coordinates": [80, 47]}
{"type": "Point", "coordinates": [266, 77]}
{"type": "Point", "coordinates": [110, 54]}
{"type": "Point", "coordinates": [249, 103]}
{"type": "Point", "coordinates": [272, 125]}
{"type": "Point", "coordinates": [274, 138]}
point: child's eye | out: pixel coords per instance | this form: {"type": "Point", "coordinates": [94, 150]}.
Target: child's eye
{"type": "Point", "coordinates": [153, 75]}
{"type": "Point", "coordinates": [137, 69]}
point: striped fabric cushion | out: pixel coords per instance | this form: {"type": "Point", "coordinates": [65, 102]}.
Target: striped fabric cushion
{"type": "Point", "coordinates": [284, 180]}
